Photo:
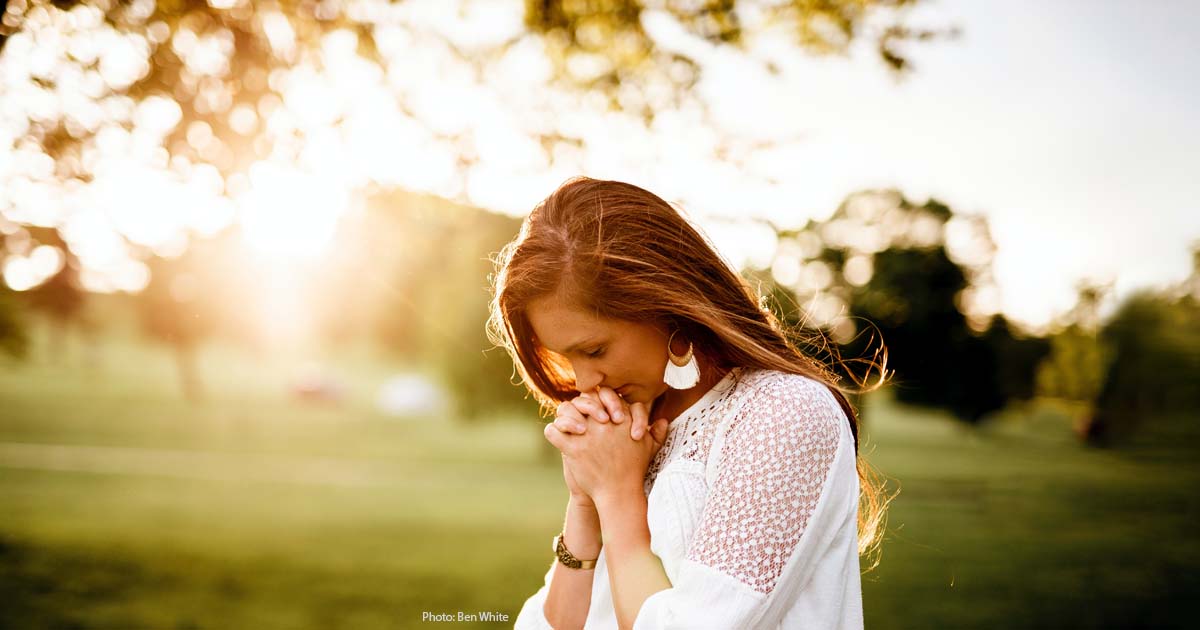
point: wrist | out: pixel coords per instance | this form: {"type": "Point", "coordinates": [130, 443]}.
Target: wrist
{"type": "Point", "coordinates": [583, 512]}
{"type": "Point", "coordinates": [582, 501]}
{"type": "Point", "coordinates": [620, 500]}
{"type": "Point", "coordinates": [624, 520]}
{"type": "Point", "coordinates": [581, 531]}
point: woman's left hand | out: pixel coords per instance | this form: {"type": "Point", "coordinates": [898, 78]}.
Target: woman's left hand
{"type": "Point", "coordinates": [605, 461]}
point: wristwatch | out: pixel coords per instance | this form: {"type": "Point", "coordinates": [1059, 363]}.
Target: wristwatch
{"type": "Point", "coordinates": [569, 559]}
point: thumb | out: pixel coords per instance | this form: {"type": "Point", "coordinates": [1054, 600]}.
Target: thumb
{"type": "Point", "coordinates": [658, 431]}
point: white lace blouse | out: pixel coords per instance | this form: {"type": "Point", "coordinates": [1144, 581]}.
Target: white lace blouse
{"type": "Point", "coordinates": [752, 508]}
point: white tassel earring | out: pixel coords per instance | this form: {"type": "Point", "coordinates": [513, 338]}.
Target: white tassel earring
{"type": "Point", "coordinates": [682, 371]}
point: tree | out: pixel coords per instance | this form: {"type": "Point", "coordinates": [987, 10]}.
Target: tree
{"type": "Point", "coordinates": [49, 284]}
{"type": "Point", "coordinates": [181, 101]}
{"type": "Point", "coordinates": [192, 84]}
{"type": "Point", "coordinates": [1075, 366]}
{"type": "Point", "coordinates": [61, 297]}
{"type": "Point", "coordinates": [1155, 345]}
{"type": "Point", "coordinates": [13, 339]}
{"type": "Point", "coordinates": [628, 49]}
{"type": "Point", "coordinates": [188, 299]}
{"type": "Point", "coordinates": [911, 275]}
{"type": "Point", "coordinates": [427, 262]}
{"type": "Point", "coordinates": [1017, 358]}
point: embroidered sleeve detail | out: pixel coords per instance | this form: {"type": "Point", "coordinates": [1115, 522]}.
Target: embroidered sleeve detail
{"type": "Point", "coordinates": [778, 451]}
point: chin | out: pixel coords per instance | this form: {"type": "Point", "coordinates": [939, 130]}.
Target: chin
{"type": "Point", "coordinates": [635, 395]}
{"type": "Point", "coordinates": [643, 394]}
{"type": "Point", "coordinates": [648, 396]}
{"type": "Point", "coordinates": [639, 398]}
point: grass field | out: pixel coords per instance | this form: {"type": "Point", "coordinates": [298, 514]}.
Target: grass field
{"type": "Point", "coordinates": [122, 506]}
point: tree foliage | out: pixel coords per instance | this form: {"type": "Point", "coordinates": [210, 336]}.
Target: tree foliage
{"type": "Point", "coordinates": [1155, 345]}
{"type": "Point", "coordinates": [186, 88]}
{"type": "Point", "coordinates": [615, 30]}
{"type": "Point", "coordinates": [213, 61]}
{"type": "Point", "coordinates": [884, 271]}
{"type": "Point", "coordinates": [61, 297]}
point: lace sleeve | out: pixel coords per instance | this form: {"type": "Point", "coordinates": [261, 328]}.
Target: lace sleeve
{"type": "Point", "coordinates": [778, 452]}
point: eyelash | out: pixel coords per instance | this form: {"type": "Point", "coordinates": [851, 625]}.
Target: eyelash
{"type": "Point", "coordinates": [595, 354]}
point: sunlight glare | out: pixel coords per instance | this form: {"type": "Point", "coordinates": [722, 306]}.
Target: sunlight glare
{"type": "Point", "coordinates": [22, 273]}
{"type": "Point", "coordinates": [290, 214]}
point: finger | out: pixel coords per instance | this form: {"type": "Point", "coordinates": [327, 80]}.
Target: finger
{"type": "Point", "coordinates": [616, 407]}
{"type": "Point", "coordinates": [658, 431]}
{"type": "Point", "coordinates": [572, 420]}
{"type": "Point", "coordinates": [567, 410]}
{"type": "Point", "coordinates": [554, 436]}
{"type": "Point", "coordinates": [641, 419]}
{"type": "Point", "coordinates": [568, 424]}
{"type": "Point", "coordinates": [591, 407]}
{"type": "Point", "coordinates": [563, 407]}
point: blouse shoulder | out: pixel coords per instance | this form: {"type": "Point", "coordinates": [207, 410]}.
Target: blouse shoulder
{"type": "Point", "coordinates": [788, 404]}
{"type": "Point", "coordinates": [779, 449]}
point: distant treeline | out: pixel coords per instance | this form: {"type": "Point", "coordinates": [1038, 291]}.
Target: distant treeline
{"type": "Point", "coordinates": [412, 273]}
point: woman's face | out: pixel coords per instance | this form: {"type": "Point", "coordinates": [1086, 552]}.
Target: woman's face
{"type": "Point", "coordinates": [628, 357]}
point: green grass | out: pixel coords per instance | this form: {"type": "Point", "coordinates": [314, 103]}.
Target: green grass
{"type": "Point", "coordinates": [1018, 526]}
{"type": "Point", "coordinates": [122, 506]}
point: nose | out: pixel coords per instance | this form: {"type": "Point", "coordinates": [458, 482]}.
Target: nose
{"type": "Point", "coordinates": [587, 379]}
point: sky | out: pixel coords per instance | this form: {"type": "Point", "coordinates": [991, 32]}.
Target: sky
{"type": "Point", "coordinates": [1073, 126]}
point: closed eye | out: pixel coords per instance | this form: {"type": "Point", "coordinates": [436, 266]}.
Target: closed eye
{"type": "Point", "coordinates": [595, 354]}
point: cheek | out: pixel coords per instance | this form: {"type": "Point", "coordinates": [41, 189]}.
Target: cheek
{"type": "Point", "coordinates": [641, 365]}
{"type": "Point", "coordinates": [649, 377]}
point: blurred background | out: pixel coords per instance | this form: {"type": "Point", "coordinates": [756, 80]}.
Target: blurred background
{"type": "Point", "coordinates": [246, 250]}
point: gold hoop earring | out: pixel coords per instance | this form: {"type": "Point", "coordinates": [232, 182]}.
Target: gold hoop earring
{"type": "Point", "coordinates": [682, 370]}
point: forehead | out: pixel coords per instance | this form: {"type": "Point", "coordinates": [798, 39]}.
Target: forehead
{"type": "Point", "coordinates": [559, 325]}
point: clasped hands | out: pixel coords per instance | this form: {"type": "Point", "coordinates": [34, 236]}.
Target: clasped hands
{"type": "Point", "coordinates": [604, 459]}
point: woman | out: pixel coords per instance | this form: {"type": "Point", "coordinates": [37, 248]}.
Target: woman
{"type": "Point", "coordinates": [712, 468]}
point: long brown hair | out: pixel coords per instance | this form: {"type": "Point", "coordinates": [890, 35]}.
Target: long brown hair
{"type": "Point", "coordinates": [624, 253]}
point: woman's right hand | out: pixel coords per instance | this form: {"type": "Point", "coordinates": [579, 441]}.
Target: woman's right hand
{"type": "Point", "coordinates": [572, 418]}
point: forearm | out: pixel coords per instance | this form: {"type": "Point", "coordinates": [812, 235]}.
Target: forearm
{"type": "Point", "coordinates": [570, 594]}
{"type": "Point", "coordinates": [635, 573]}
